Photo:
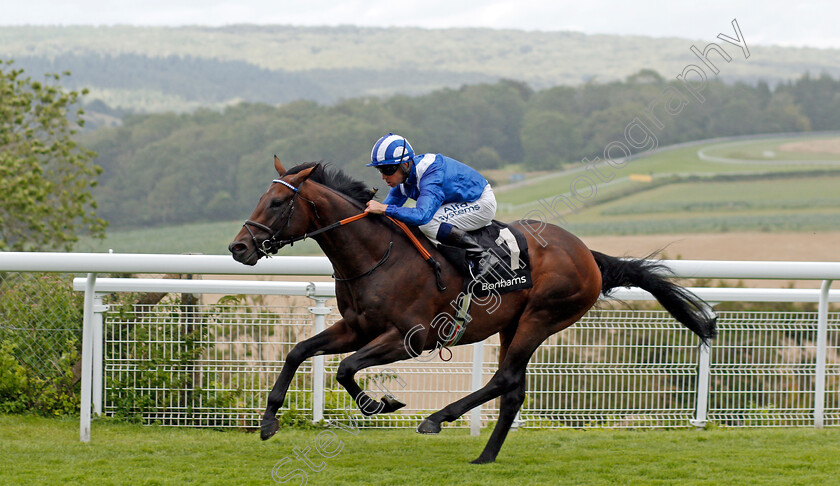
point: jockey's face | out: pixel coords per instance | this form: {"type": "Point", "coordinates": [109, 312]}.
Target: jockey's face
{"type": "Point", "coordinates": [397, 177]}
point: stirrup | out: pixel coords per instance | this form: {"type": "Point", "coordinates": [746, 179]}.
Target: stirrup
{"type": "Point", "coordinates": [479, 271]}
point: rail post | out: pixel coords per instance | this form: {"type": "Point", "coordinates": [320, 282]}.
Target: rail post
{"type": "Point", "coordinates": [87, 358]}
{"type": "Point", "coordinates": [320, 311]}
{"type": "Point", "coordinates": [822, 344]}
{"type": "Point", "coordinates": [704, 370]}
{"type": "Point", "coordinates": [98, 341]}
{"type": "Point", "coordinates": [477, 371]}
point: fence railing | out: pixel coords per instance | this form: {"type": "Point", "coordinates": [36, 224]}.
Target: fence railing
{"type": "Point", "coordinates": [594, 332]}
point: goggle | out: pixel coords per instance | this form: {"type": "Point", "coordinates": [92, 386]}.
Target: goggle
{"type": "Point", "coordinates": [389, 169]}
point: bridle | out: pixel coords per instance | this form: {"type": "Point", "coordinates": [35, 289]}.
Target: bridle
{"type": "Point", "coordinates": [272, 244]}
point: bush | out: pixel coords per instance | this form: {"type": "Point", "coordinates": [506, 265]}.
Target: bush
{"type": "Point", "coordinates": [14, 381]}
{"type": "Point", "coordinates": [40, 331]}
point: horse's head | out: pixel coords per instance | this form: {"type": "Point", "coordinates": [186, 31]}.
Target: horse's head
{"type": "Point", "coordinates": [277, 217]}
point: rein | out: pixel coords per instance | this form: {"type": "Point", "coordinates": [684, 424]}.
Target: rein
{"type": "Point", "coordinates": [271, 245]}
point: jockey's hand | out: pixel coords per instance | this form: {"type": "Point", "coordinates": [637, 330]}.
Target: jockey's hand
{"type": "Point", "coordinates": [375, 207]}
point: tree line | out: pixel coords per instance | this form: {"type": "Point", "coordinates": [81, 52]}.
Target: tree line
{"type": "Point", "coordinates": [216, 82]}
{"type": "Point", "coordinates": [211, 165]}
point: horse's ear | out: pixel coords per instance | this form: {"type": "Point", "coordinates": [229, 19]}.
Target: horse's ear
{"type": "Point", "coordinates": [279, 167]}
{"type": "Point", "coordinates": [301, 176]}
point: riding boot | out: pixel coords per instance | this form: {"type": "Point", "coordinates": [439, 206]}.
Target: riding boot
{"type": "Point", "coordinates": [479, 258]}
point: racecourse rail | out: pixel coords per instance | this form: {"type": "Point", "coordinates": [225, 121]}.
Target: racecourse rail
{"type": "Point", "coordinates": [94, 288]}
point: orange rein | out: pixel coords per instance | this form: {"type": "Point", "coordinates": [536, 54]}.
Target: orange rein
{"type": "Point", "coordinates": [423, 251]}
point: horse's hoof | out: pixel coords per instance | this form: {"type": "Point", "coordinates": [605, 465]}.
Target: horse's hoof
{"type": "Point", "coordinates": [482, 460]}
{"type": "Point", "coordinates": [391, 404]}
{"type": "Point", "coordinates": [268, 428]}
{"type": "Point", "coordinates": [428, 427]}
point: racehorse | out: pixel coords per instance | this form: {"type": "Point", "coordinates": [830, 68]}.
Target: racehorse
{"type": "Point", "coordinates": [388, 296]}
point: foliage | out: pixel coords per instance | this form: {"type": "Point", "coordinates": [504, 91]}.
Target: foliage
{"type": "Point", "coordinates": [40, 313]}
{"type": "Point", "coordinates": [14, 381]}
{"type": "Point", "coordinates": [45, 177]}
{"type": "Point", "coordinates": [23, 390]}
{"type": "Point", "coordinates": [40, 331]}
{"type": "Point", "coordinates": [205, 166]}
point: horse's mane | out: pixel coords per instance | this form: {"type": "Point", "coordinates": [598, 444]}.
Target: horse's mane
{"type": "Point", "coordinates": [336, 180]}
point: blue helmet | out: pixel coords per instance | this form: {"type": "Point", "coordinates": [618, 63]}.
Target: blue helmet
{"type": "Point", "coordinates": [391, 149]}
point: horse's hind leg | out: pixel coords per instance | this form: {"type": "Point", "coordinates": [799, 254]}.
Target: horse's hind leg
{"type": "Point", "coordinates": [338, 338]}
{"type": "Point", "coordinates": [531, 332]}
{"type": "Point", "coordinates": [386, 348]}
{"type": "Point", "coordinates": [511, 402]}
{"type": "Point", "coordinates": [508, 379]}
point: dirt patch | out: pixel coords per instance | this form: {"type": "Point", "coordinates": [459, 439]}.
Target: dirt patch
{"type": "Point", "coordinates": [799, 247]}
{"type": "Point", "coordinates": [821, 146]}
{"type": "Point", "coordinates": [816, 247]}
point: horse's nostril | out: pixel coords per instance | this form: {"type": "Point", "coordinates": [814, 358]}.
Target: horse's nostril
{"type": "Point", "coordinates": [237, 248]}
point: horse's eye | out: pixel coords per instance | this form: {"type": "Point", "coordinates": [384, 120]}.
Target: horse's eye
{"type": "Point", "coordinates": [275, 203]}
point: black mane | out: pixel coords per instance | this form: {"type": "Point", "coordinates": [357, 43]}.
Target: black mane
{"type": "Point", "coordinates": [336, 180]}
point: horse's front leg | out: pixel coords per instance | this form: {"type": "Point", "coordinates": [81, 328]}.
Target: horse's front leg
{"type": "Point", "coordinates": [386, 348]}
{"type": "Point", "coordinates": [338, 338]}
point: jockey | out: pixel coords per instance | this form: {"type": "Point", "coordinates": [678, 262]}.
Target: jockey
{"type": "Point", "coordinates": [452, 198]}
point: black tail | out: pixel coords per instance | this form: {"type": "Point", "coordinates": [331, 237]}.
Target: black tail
{"type": "Point", "coordinates": [690, 310]}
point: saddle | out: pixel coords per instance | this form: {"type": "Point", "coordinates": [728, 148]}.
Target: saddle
{"type": "Point", "coordinates": [510, 265]}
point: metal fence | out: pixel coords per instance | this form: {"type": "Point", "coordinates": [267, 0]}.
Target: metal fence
{"type": "Point", "coordinates": [181, 365]}
{"type": "Point", "coordinates": [40, 322]}
{"type": "Point", "coordinates": [213, 366]}
{"type": "Point", "coordinates": [763, 368]}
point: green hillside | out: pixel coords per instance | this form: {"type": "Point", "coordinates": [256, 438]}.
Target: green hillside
{"type": "Point", "coordinates": [688, 195]}
{"type": "Point", "coordinates": [146, 68]}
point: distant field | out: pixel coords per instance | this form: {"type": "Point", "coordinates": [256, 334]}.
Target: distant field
{"type": "Point", "coordinates": [794, 201]}
{"type": "Point", "coordinates": [795, 204]}
{"type": "Point", "coordinates": [816, 149]}
{"type": "Point", "coordinates": [786, 194]}
{"type": "Point", "coordinates": [48, 451]}
{"type": "Point", "coordinates": [765, 201]}
{"type": "Point", "coordinates": [682, 161]}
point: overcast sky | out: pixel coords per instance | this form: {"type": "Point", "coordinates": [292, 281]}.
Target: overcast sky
{"type": "Point", "coordinates": [788, 23]}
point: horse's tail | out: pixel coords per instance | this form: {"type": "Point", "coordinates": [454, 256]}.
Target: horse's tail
{"type": "Point", "coordinates": [690, 310]}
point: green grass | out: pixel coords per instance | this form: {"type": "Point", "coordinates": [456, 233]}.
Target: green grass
{"type": "Point", "coordinates": [743, 196]}
{"type": "Point", "coordinates": [786, 200]}
{"type": "Point", "coordinates": [47, 451]}
{"type": "Point", "coordinates": [769, 150]}
{"type": "Point", "coordinates": [795, 204]}
{"type": "Point", "coordinates": [683, 160]}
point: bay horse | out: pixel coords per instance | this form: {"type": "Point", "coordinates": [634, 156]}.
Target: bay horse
{"type": "Point", "coordinates": [388, 296]}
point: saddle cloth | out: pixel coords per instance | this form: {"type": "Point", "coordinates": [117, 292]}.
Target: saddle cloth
{"type": "Point", "coordinates": [511, 266]}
